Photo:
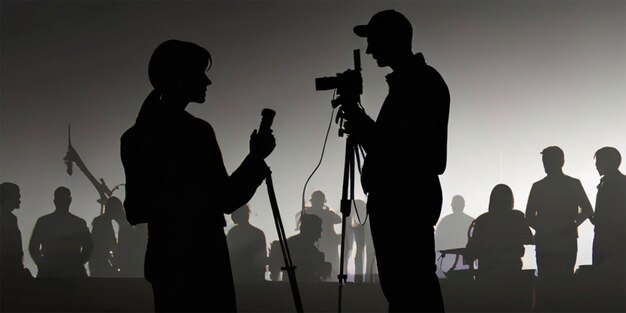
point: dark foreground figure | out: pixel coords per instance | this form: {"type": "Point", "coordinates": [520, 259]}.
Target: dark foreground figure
{"type": "Point", "coordinates": [415, 113]}
{"type": "Point", "coordinates": [176, 181]}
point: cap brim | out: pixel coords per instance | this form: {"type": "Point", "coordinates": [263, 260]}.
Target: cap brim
{"type": "Point", "coordinates": [361, 30]}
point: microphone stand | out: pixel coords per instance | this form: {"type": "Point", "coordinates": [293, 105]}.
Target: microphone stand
{"type": "Point", "coordinates": [266, 121]}
{"type": "Point", "coordinates": [283, 244]}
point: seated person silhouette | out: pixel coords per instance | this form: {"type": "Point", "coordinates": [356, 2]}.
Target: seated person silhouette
{"type": "Point", "coordinates": [308, 260]}
{"type": "Point", "coordinates": [61, 243]}
{"type": "Point", "coordinates": [451, 234]}
{"type": "Point", "coordinates": [11, 253]}
{"type": "Point", "coordinates": [247, 247]}
{"type": "Point", "coordinates": [329, 241]}
{"type": "Point", "coordinates": [609, 242]}
{"type": "Point", "coordinates": [498, 237]}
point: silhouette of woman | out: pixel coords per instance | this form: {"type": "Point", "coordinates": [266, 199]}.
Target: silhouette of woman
{"type": "Point", "coordinates": [499, 235]}
{"type": "Point", "coordinates": [176, 181]}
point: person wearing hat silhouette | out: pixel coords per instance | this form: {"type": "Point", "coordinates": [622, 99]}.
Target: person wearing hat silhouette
{"type": "Point", "coordinates": [413, 117]}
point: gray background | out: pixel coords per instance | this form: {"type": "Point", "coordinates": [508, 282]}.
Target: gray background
{"type": "Point", "coordinates": [522, 76]}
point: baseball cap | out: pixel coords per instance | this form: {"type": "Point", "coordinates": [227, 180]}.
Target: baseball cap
{"type": "Point", "coordinates": [387, 22]}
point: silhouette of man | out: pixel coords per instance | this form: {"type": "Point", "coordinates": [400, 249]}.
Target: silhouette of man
{"type": "Point", "coordinates": [309, 260]}
{"type": "Point", "coordinates": [104, 243]}
{"type": "Point", "coordinates": [556, 206]}
{"type": "Point", "coordinates": [11, 253]}
{"type": "Point", "coordinates": [451, 233]}
{"type": "Point", "coordinates": [329, 241]}
{"type": "Point", "coordinates": [247, 246]}
{"type": "Point", "coordinates": [609, 219]}
{"type": "Point", "coordinates": [176, 181]}
{"type": "Point", "coordinates": [414, 114]}
{"type": "Point", "coordinates": [61, 243]}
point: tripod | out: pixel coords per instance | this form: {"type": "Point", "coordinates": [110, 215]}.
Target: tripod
{"type": "Point", "coordinates": [266, 121]}
{"type": "Point", "coordinates": [349, 87]}
{"type": "Point", "coordinates": [349, 94]}
{"type": "Point", "coordinates": [347, 198]}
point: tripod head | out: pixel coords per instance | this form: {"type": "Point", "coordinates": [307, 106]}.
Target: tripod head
{"type": "Point", "coordinates": [349, 86]}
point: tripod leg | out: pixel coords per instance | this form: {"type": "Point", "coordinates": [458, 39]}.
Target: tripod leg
{"type": "Point", "coordinates": [283, 244]}
{"type": "Point", "coordinates": [346, 203]}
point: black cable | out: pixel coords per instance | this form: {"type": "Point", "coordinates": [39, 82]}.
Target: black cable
{"type": "Point", "coordinates": [330, 123]}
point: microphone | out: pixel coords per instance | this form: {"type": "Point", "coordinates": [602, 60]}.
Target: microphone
{"type": "Point", "coordinates": [267, 117]}
{"type": "Point", "coordinates": [67, 160]}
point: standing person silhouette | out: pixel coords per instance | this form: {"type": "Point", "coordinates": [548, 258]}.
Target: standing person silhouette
{"type": "Point", "coordinates": [358, 237]}
{"type": "Point", "coordinates": [557, 205]}
{"type": "Point", "coordinates": [609, 220]}
{"type": "Point", "coordinates": [176, 181]}
{"type": "Point", "coordinates": [553, 211]}
{"type": "Point", "coordinates": [247, 246]}
{"type": "Point", "coordinates": [11, 253]}
{"type": "Point", "coordinates": [61, 243]}
{"type": "Point", "coordinates": [414, 114]}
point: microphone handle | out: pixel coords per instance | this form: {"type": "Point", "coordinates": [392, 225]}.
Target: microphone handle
{"type": "Point", "coordinates": [267, 118]}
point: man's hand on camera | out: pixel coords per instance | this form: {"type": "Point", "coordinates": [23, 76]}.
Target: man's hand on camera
{"type": "Point", "coordinates": [357, 124]}
{"type": "Point", "coordinates": [262, 145]}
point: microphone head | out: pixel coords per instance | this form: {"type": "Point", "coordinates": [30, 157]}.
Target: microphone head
{"type": "Point", "coordinates": [269, 113]}
{"type": "Point", "coordinates": [69, 168]}
{"type": "Point", "coordinates": [267, 117]}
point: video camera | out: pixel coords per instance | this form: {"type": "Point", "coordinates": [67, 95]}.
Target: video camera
{"type": "Point", "coordinates": [349, 84]}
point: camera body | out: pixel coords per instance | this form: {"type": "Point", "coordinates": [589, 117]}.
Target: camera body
{"type": "Point", "coordinates": [349, 84]}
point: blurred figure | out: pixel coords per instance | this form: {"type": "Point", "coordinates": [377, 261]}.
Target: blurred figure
{"type": "Point", "coordinates": [553, 211]}
{"type": "Point", "coordinates": [247, 247]}
{"type": "Point", "coordinates": [497, 241]}
{"type": "Point", "coordinates": [359, 238]}
{"type": "Point", "coordinates": [128, 254]}
{"type": "Point", "coordinates": [329, 240]}
{"type": "Point", "coordinates": [451, 233]}
{"type": "Point", "coordinates": [11, 253]}
{"type": "Point", "coordinates": [609, 241]}
{"type": "Point", "coordinates": [104, 243]}
{"type": "Point", "coordinates": [309, 261]}
{"type": "Point", "coordinates": [130, 251]}
{"type": "Point", "coordinates": [61, 243]}
{"type": "Point", "coordinates": [498, 237]}
{"type": "Point", "coordinates": [557, 205]}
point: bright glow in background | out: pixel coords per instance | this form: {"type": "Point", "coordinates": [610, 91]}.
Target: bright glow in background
{"type": "Point", "coordinates": [522, 76]}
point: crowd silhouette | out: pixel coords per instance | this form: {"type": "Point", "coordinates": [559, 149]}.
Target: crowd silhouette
{"type": "Point", "coordinates": [178, 191]}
